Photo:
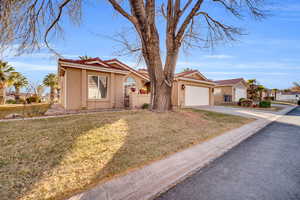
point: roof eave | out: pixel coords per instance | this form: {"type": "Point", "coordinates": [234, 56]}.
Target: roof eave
{"type": "Point", "coordinates": [89, 67]}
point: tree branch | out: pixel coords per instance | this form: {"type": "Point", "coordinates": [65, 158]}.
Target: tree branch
{"type": "Point", "coordinates": [187, 20]}
{"type": "Point", "coordinates": [56, 20]}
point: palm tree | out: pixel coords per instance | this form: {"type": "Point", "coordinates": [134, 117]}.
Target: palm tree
{"type": "Point", "coordinates": [85, 57]}
{"type": "Point", "coordinates": [18, 81]}
{"type": "Point", "coordinates": [260, 89]}
{"type": "Point", "coordinates": [5, 79]}
{"type": "Point", "coordinates": [51, 80]}
{"type": "Point", "coordinates": [252, 89]}
{"type": "Point", "coordinates": [275, 90]}
{"type": "Point", "coordinates": [187, 69]}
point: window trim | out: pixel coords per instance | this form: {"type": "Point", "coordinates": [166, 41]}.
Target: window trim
{"type": "Point", "coordinates": [107, 87]}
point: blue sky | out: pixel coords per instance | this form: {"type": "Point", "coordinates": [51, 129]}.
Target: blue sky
{"type": "Point", "coordinates": [270, 52]}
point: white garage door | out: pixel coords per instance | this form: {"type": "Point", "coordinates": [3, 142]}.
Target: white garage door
{"type": "Point", "coordinates": [196, 96]}
{"type": "Point", "coordinates": [240, 93]}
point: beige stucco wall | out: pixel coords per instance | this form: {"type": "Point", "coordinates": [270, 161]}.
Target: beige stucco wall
{"type": "Point", "coordinates": [73, 89]}
{"type": "Point", "coordinates": [77, 90]}
{"type": "Point", "coordinates": [240, 86]}
{"type": "Point", "coordinates": [119, 91]}
{"type": "Point", "coordinates": [179, 93]}
{"type": "Point", "coordinates": [224, 90]}
{"type": "Point", "coordinates": [138, 100]}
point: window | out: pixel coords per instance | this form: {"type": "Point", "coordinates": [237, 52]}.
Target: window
{"type": "Point", "coordinates": [227, 98]}
{"type": "Point", "coordinates": [97, 87]}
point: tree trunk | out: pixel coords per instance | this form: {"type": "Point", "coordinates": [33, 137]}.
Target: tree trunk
{"type": "Point", "coordinates": [2, 94]}
{"type": "Point", "coordinates": [160, 77]}
{"type": "Point", "coordinates": [52, 95]}
{"type": "Point", "coordinates": [17, 94]}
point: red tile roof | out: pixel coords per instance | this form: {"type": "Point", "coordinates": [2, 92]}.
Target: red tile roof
{"type": "Point", "coordinates": [100, 63]}
{"type": "Point", "coordinates": [229, 81]}
{"type": "Point", "coordinates": [126, 66]}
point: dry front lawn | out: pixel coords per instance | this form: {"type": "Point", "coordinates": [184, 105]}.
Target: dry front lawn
{"type": "Point", "coordinates": [59, 157]}
{"type": "Point", "coordinates": [30, 110]}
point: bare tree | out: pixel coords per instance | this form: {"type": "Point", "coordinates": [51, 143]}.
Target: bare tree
{"type": "Point", "coordinates": [296, 87]}
{"type": "Point", "coordinates": [29, 22]}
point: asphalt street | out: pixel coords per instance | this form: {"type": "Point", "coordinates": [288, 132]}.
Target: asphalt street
{"type": "Point", "coordinates": [266, 166]}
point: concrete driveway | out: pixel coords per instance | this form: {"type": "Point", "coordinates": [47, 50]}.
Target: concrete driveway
{"type": "Point", "coordinates": [244, 112]}
{"type": "Point", "coordinates": [265, 166]}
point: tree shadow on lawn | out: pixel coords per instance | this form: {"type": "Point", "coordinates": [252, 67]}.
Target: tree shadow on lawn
{"type": "Point", "coordinates": [34, 153]}
{"type": "Point", "coordinates": [165, 134]}
{"type": "Point", "coordinates": [59, 157]}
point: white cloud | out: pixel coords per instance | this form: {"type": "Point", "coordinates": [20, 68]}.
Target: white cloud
{"type": "Point", "coordinates": [22, 66]}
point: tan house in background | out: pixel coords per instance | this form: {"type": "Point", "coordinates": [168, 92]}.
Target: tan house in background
{"type": "Point", "coordinates": [230, 90]}
{"type": "Point", "coordinates": [103, 84]}
{"type": "Point", "coordinates": [192, 88]}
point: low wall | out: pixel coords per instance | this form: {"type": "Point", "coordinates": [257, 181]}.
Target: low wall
{"type": "Point", "coordinates": [137, 100]}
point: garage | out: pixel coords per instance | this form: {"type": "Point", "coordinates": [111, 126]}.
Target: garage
{"type": "Point", "coordinates": [196, 96]}
{"type": "Point", "coordinates": [240, 93]}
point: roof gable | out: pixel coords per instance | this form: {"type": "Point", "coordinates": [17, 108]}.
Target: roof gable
{"type": "Point", "coordinates": [117, 63]}
{"type": "Point", "coordinates": [92, 64]}
{"type": "Point", "coordinates": [194, 74]}
{"type": "Point", "coordinates": [231, 82]}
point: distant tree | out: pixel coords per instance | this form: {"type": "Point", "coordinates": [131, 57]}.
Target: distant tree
{"type": "Point", "coordinates": [18, 81]}
{"type": "Point", "coordinates": [187, 69]}
{"type": "Point", "coordinates": [51, 80]}
{"type": "Point", "coordinates": [85, 57]}
{"type": "Point", "coordinates": [5, 79]}
{"type": "Point", "coordinates": [275, 90]}
{"type": "Point", "coordinates": [253, 90]}
{"type": "Point", "coordinates": [40, 89]}
{"type": "Point", "coordinates": [296, 87]}
{"type": "Point", "coordinates": [260, 89]}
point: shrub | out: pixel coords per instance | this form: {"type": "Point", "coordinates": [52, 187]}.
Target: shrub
{"type": "Point", "coordinates": [269, 98]}
{"type": "Point", "coordinates": [240, 101]}
{"type": "Point", "coordinates": [33, 99]}
{"type": "Point", "coordinates": [246, 102]}
{"type": "Point", "coordinates": [11, 101]}
{"type": "Point", "coordinates": [265, 104]}
{"type": "Point", "coordinates": [145, 106]}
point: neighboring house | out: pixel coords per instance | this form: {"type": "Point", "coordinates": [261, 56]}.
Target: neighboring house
{"type": "Point", "coordinates": [230, 90]}
{"type": "Point", "coordinates": [191, 88]}
{"type": "Point", "coordinates": [98, 84]}
{"type": "Point", "coordinates": [10, 96]}
{"type": "Point", "coordinates": [288, 96]}
{"type": "Point", "coordinates": [23, 95]}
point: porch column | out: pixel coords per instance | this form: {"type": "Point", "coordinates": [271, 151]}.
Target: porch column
{"type": "Point", "coordinates": [212, 97]}
{"type": "Point", "coordinates": [83, 89]}
{"type": "Point", "coordinates": [112, 89]}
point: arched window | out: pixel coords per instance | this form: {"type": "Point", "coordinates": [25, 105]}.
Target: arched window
{"type": "Point", "coordinates": [129, 85]}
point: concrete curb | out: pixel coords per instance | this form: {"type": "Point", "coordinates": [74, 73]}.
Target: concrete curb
{"type": "Point", "coordinates": [150, 181]}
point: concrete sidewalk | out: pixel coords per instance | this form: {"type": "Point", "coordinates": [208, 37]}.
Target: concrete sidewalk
{"type": "Point", "coordinates": [150, 181]}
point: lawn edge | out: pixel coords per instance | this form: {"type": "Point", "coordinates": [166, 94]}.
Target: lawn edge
{"type": "Point", "coordinates": [147, 183]}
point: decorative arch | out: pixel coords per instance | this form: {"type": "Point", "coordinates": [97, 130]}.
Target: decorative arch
{"type": "Point", "coordinates": [130, 85]}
